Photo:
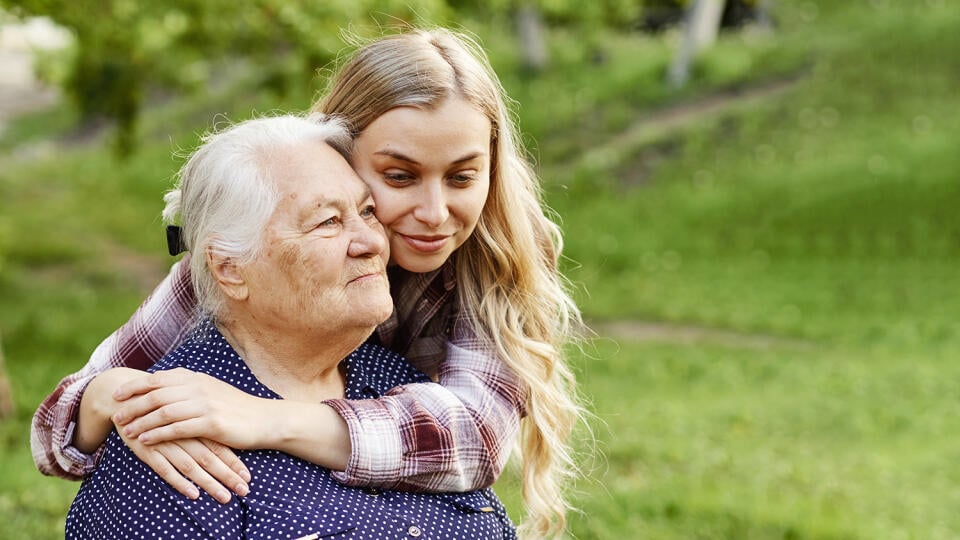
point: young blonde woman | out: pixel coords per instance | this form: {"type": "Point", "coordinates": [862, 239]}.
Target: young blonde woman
{"type": "Point", "coordinates": [480, 306]}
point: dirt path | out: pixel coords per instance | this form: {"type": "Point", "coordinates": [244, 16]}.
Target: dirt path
{"type": "Point", "coordinates": [659, 125]}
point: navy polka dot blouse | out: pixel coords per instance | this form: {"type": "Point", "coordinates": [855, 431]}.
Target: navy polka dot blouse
{"type": "Point", "coordinates": [289, 498]}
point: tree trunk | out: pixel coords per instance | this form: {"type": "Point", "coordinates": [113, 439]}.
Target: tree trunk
{"type": "Point", "coordinates": [701, 24]}
{"type": "Point", "coordinates": [533, 47]}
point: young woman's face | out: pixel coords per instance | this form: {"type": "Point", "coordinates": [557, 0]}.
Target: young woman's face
{"type": "Point", "coordinates": [429, 172]}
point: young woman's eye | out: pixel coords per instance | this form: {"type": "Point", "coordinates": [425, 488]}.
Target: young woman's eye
{"type": "Point", "coordinates": [398, 177]}
{"type": "Point", "coordinates": [462, 179]}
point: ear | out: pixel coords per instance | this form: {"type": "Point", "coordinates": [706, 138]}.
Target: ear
{"type": "Point", "coordinates": [226, 273]}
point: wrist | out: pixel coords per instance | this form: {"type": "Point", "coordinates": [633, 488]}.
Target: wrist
{"type": "Point", "coordinates": [97, 406]}
{"type": "Point", "coordinates": [314, 432]}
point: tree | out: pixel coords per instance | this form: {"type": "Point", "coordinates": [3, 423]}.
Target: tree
{"type": "Point", "coordinates": [125, 49]}
{"type": "Point", "coordinates": [701, 24]}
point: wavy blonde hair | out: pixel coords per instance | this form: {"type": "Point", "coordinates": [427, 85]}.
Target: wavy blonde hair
{"type": "Point", "coordinates": [507, 271]}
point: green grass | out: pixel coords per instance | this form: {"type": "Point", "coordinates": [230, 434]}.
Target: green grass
{"type": "Point", "coordinates": [814, 230]}
{"type": "Point", "coordinates": [780, 442]}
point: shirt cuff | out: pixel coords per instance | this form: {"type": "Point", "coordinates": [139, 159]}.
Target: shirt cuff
{"type": "Point", "coordinates": [68, 457]}
{"type": "Point", "coordinates": [376, 455]}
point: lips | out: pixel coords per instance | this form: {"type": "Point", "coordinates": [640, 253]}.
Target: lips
{"type": "Point", "coordinates": [425, 243]}
{"type": "Point", "coordinates": [367, 275]}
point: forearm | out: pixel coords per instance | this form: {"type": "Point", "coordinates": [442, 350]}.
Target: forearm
{"type": "Point", "coordinates": [93, 421]}
{"type": "Point", "coordinates": [452, 436]}
{"type": "Point", "coordinates": [314, 432]}
{"type": "Point", "coordinates": [155, 328]}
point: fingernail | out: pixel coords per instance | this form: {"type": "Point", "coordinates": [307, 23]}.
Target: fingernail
{"type": "Point", "coordinates": [223, 496]}
{"type": "Point", "coordinates": [194, 493]}
{"type": "Point", "coordinates": [242, 490]}
{"type": "Point", "coordinates": [118, 419]}
{"type": "Point", "coordinates": [245, 474]}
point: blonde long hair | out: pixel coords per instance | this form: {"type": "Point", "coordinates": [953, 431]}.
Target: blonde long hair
{"type": "Point", "coordinates": [507, 272]}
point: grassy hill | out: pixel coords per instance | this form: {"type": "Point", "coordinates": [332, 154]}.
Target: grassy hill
{"type": "Point", "coordinates": [777, 243]}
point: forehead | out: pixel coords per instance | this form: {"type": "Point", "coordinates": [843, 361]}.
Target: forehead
{"type": "Point", "coordinates": [454, 121]}
{"type": "Point", "coordinates": [311, 168]}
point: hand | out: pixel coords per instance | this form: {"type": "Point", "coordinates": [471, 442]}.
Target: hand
{"type": "Point", "coordinates": [207, 463]}
{"type": "Point", "coordinates": [182, 404]}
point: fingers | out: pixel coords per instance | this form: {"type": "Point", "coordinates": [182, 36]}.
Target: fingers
{"type": "Point", "coordinates": [229, 458]}
{"type": "Point", "coordinates": [143, 404]}
{"type": "Point", "coordinates": [175, 418]}
{"type": "Point", "coordinates": [207, 468]}
{"type": "Point", "coordinates": [142, 385]}
{"type": "Point", "coordinates": [155, 458]}
{"type": "Point", "coordinates": [137, 386]}
{"type": "Point", "coordinates": [184, 429]}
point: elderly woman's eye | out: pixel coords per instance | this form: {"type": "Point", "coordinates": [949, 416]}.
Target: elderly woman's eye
{"type": "Point", "coordinates": [329, 222]}
{"type": "Point", "coordinates": [368, 211]}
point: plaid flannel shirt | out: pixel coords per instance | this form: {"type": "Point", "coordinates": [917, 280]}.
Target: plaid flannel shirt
{"type": "Point", "coordinates": [454, 435]}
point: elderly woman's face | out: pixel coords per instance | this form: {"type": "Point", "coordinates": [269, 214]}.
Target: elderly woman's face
{"type": "Point", "coordinates": [429, 171]}
{"type": "Point", "coordinates": [324, 253]}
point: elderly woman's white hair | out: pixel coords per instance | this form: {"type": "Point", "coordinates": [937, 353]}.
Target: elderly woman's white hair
{"type": "Point", "coordinates": [224, 196]}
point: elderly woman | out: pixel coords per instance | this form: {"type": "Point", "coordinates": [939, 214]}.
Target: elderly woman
{"type": "Point", "coordinates": [289, 268]}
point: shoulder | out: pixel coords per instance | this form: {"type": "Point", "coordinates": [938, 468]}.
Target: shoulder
{"type": "Point", "coordinates": [383, 368]}
{"type": "Point", "coordinates": [204, 350]}
{"type": "Point", "coordinates": [207, 351]}
{"type": "Point", "coordinates": [123, 493]}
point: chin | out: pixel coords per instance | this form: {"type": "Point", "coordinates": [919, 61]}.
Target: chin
{"type": "Point", "coordinates": [380, 310]}
{"type": "Point", "coordinates": [374, 315]}
{"type": "Point", "coordinates": [421, 264]}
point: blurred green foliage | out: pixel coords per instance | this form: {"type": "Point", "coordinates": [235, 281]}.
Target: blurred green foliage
{"type": "Point", "coordinates": [126, 49]}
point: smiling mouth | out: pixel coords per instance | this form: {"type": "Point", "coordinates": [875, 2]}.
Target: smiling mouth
{"type": "Point", "coordinates": [425, 244]}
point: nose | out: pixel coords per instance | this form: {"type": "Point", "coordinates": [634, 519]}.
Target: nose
{"type": "Point", "coordinates": [369, 239]}
{"type": "Point", "coordinates": [432, 208]}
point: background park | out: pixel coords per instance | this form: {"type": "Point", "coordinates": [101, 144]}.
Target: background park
{"type": "Point", "coordinates": [767, 253]}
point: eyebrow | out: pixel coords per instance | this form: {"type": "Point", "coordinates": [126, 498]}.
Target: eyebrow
{"type": "Point", "coordinates": [325, 202]}
{"type": "Point", "coordinates": [403, 157]}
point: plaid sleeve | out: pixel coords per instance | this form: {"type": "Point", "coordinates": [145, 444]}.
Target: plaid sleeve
{"type": "Point", "coordinates": [454, 436]}
{"type": "Point", "coordinates": [155, 328]}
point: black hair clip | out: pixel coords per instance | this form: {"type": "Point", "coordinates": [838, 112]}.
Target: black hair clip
{"type": "Point", "coordinates": [175, 245]}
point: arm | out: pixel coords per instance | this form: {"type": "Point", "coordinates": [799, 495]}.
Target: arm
{"type": "Point", "coordinates": [156, 327]}
{"type": "Point", "coordinates": [97, 407]}
{"type": "Point", "coordinates": [452, 436]}
{"type": "Point", "coordinates": [177, 404]}
{"type": "Point", "coordinates": [209, 464]}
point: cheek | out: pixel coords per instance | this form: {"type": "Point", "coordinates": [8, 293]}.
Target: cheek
{"type": "Point", "coordinates": [473, 203]}
{"type": "Point", "coordinates": [391, 203]}
{"type": "Point", "coordinates": [288, 254]}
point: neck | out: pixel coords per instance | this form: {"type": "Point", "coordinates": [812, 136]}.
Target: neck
{"type": "Point", "coordinates": [298, 365]}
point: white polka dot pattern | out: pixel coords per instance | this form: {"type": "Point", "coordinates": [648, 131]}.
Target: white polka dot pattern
{"type": "Point", "coordinates": [289, 498]}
